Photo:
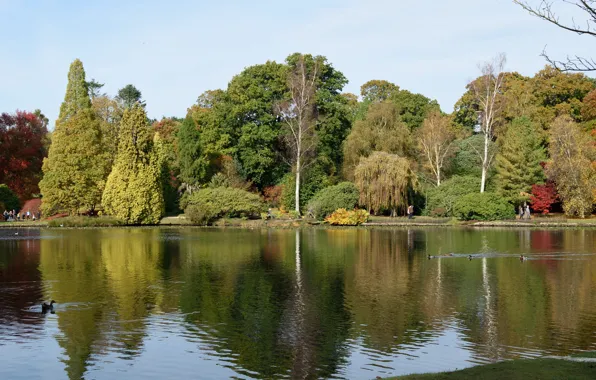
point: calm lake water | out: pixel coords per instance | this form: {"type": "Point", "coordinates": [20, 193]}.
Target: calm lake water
{"type": "Point", "coordinates": [336, 303]}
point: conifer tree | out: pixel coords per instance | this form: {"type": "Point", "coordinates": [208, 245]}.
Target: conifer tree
{"type": "Point", "coordinates": [75, 169]}
{"type": "Point", "coordinates": [519, 160]}
{"type": "Point", "coordinates": [193, 167]}
{"type": "Point", "coordinates": [133, 191]}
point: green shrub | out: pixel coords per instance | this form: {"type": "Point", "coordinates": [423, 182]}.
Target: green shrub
{"type": "Point", "coordinates": [325, 202]}
{"type": "Point", "coordinates": [312, 180]}
{"type": "Point", "coordinates": [343, 217]}
{"type": "Point", "coordinates": [85, 221]}
{"type": "Point", "coordinates": [206, 205]}
{"type": "Point", "coordinates": [483, 206]}
{"type": "Point", "coordinates": [200, 213]}
{"type": "Point", "coordinates": [8, 199]}
{"type": "Point", "coordinates": [440, 201]}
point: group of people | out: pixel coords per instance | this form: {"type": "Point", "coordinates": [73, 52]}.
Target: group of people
{"type": "Point", "coordinates": [524, 212]}
{"type": "Point", "coordinates": [13, 215]}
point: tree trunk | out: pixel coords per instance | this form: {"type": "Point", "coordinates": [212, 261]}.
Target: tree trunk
{"type": "Point", "coordinates": [438, 175]}
{"type": "Point", "coordinates": [298, 185]}
{"type": "Point", "coordinates": [484, 163]}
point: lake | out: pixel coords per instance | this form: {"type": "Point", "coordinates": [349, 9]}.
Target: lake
{"type": "Point", "coordinates": [160, 303]}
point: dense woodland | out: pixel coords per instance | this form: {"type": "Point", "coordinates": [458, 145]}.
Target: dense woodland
{"type": "Point", "coordinates": [284, 135]}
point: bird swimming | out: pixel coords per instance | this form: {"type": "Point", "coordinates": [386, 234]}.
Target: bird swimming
{"type": "Point", "coordinates": [47, 307]}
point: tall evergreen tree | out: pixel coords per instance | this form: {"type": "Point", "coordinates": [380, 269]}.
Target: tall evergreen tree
{"type": "Point", "coordinates": [133, 191]}
{"type": "Point", "coordinates": [75, 169]}
{"type": "Point", "coordinates": [518, 163]}
{"type": "Point", "coordinates": [193, 166]}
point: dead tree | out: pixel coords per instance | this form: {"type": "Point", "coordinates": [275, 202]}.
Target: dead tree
{"type": "Point", "coordinates": [545, 11]}
{"type": "Point", "coordinates": [299, 116]}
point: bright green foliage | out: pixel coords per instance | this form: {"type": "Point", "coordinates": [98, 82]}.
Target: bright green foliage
{"type": "Point", "coordinates": [218, 137]}
{"type": "Point", "coordinates": [206, 205]}
{"type": "Point", "coordinates": [85, 221]}
{"type": "Point", "coordinates": [343, 217]}
{"type": "Point", "coordinates": [313, 180]}
{"type": "Point", "coordinates": [343, 195]}
{"type": "Point", "coordinates": [572, 152]}
{"type": "Point", "coordinates": [440, 201]}
{"type": "Point", "coordinates": [8, 200]}
{"type": "Point", "coordinates": [77, 96]}
{"type": "Point", "coordinates": [382, 130]}
{"type": "Point", "coordinates": [518, 162]}
{"type": "Point", "coordinates": [252, 96]}
{"type": "Point", "coordinates": [134, 189]}
{"type": "Point", "coordinates": [76, 167]}
{"type": "Point", "coordinates": [483, 206]}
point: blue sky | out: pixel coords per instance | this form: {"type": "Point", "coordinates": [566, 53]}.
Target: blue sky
{"type": "Point", "coordinates": [174, 50]}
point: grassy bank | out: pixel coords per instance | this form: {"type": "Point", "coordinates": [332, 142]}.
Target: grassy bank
{"type": "Point", "coordinates": [517, 369]}
{"type": "Point", "coordinates": [24, 223]}
{"type": "Point", "coordinates": [374, 221]}
{"type": "Point", "coordinates": [85, 221]}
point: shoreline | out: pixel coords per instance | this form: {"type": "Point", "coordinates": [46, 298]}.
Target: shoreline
{"type": "Point", "coordinates": [298, 223]}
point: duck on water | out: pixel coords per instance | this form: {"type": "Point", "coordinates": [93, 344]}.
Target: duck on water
{"type": "Point", "coordinates": [45, 307]}
{"type": "Point", "coordinates": [444, 255]}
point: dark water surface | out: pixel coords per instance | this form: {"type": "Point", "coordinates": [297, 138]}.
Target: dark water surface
{"type": "Point", "coordinates": [338, 303]}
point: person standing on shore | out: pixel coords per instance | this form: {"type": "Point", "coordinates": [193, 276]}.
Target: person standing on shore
{"type": "Point", "coordinates": [528, 212]}
{"type": "Point", "coordinates": [410, 212]}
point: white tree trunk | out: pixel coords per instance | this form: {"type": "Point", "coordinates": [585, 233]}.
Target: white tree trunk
{"type": "Point", "coordinates": [298, 184]}
{"type": "Point", "coordinates": [484, 163]}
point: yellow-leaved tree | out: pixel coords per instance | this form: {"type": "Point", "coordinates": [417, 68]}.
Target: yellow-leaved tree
{"type": "Point", "coordinates": [133, 191]}
{"type": "Point", "coordinates": [384, 180]}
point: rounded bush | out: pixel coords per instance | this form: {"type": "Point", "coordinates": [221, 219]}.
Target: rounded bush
{"type": "Point", "coordinates": [325, 202]}
{"type": "Point", "coordinates": [483, 206]}
{"type": "Point", "coordinates": [206, 205]}
{"type": "Point", "coordinates": [343, 217]}
{"type": "Point", "coordinates": [440, 201]}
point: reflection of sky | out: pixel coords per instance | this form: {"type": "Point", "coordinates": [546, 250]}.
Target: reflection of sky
{"type": "Point", "coordinates": [31, 358]}
{"type": "Point", "coordinates": [171, 348]}
{"type": "Point", "coordinates": [444, 352]}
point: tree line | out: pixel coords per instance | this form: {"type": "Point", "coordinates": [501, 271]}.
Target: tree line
{"type": "Point", "coordinates": [286, 131]}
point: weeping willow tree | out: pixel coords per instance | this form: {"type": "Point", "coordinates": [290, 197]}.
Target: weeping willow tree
{"type": "Point", "coordinates": [384, 180]}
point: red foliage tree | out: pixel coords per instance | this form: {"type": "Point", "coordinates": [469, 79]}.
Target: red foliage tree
{"type": "Point", "coordinates": [543, 197]}
{"type": "Point", "coordinates": [22, 151]}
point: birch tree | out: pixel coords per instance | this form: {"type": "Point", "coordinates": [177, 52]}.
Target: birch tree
{"type": "Point", "coordinates": [299, 116]}
{"type": "Point", "coordinates": [487, 91]}
{"type": "Point", "coordinates": [435, 140]}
